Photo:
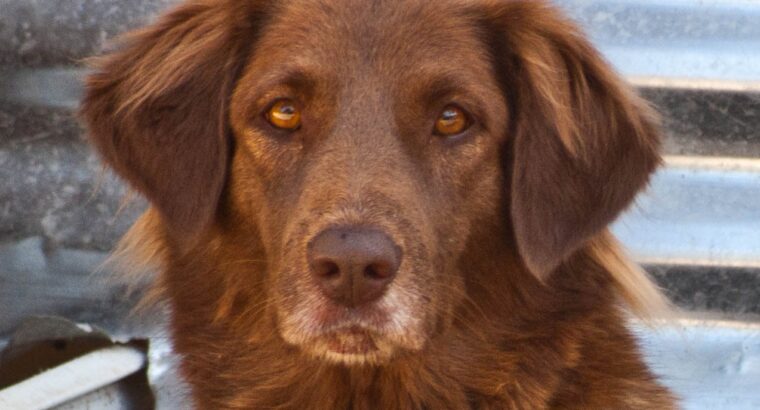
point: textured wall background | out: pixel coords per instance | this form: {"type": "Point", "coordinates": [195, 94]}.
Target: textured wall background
{"type": "Point", "coordinates": [697, 61]}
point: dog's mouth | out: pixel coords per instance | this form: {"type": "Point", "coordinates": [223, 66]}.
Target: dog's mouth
{"type": "Point", "coordinates": [350, 346]}
{"type": "Point", "coordinates": [351, 341]}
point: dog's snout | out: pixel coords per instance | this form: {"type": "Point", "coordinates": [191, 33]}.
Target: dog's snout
{"type": "Point", "coordinates": [353, 266]}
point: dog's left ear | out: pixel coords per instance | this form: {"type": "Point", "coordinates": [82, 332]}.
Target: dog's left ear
{"type": "Point", "coordinates": [156, 108]}
{"type": "Point", "coordinates": [582, 144]}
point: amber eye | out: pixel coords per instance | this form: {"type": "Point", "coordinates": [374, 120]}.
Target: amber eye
{"type": "Point", "coordinates": [452, 121]}
{"type": "Point", "coordinates": [285, 115]}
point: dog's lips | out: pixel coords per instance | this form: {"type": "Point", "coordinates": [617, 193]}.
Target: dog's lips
{"type": "Point", "coordinates": [331, 318]}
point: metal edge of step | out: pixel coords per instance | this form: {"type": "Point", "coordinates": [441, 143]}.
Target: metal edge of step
{"type": "Point", "coordinates": [694, 84]}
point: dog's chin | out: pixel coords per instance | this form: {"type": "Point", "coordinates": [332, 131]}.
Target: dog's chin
{"type": "Point", "coordinates": [373, 334]}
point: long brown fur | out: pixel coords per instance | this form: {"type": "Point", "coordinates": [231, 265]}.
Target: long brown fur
{"type": "Point", "coordinates": [512, 294]}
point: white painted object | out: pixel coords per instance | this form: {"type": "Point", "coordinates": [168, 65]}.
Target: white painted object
{"type": "Point", "coordinates": [73, 379]}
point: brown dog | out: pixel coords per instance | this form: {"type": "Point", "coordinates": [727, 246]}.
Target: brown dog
{"type": "Point", "coordinates": [384, 204]}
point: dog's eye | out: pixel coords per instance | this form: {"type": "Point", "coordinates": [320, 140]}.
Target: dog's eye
{"type": "Point", "coordinates": [284, 114]}
{"type": "Point", "coordinates": [452, 121]}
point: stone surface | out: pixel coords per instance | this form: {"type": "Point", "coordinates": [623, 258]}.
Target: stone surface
{"type": "Point", "coordinates": [710, 41]}
{"type": "Point", "coordinates": [52, 185]}
{"type": "Point", "coordinates": [709, 288]}
{"type": "Point", "coordinates": [698, 122]}
{"type": "Point", "coordinates": [43, 87]}
{"type": "Point", "coordinates": [44, 33]}
{"type": "Point", "coordinates": [63, 282]}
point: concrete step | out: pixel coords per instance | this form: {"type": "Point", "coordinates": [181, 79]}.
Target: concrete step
{"type": "Point", "coordinates": [709, 364]}
{"type": "Point", "coordinates": [696, 61]}
{"type": "Point", "coordinates": [697, 230]}
{"type": "Point", "coordinates": [697, 211]}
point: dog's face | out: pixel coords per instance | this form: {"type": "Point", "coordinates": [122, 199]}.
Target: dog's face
{"type": "Point", "coordinates": [387, 147]}
{"type": "Point", "coordinates": [362, 144]}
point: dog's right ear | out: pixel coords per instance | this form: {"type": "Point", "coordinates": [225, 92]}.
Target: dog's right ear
{"type": "Point", "coordinates": [582, 144]}
{"type": "Point", "coordinates": [156, 108]}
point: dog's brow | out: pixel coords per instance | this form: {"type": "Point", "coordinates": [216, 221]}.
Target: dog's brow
{"type": "Point", "coordinates": [434, 82]}
{"type": "Point", "coordinates": [437, 87]}
{"type": "Point", "coordinates": [300, 78]}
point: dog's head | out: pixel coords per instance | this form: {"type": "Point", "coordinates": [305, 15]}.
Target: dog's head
{"type": "Point", "coordinates": [360, 148]}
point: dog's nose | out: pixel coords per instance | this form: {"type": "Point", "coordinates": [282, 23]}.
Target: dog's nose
{"type": "Point", "coordinates": [353, 265]}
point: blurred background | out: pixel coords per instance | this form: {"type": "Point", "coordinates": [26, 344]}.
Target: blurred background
{"type": "Point", "coordinates": [696, 230]}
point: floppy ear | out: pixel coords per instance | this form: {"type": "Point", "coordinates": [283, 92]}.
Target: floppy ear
{"type": "Point", "coordinates": [582, 144]}
{"type": "Point", "coordinates": [156, 108]}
